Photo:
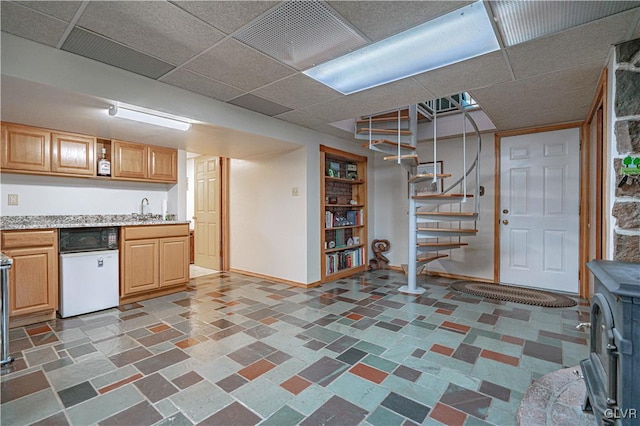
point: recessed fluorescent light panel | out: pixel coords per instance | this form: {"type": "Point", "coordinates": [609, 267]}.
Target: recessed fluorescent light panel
{"type": "Point", "coordinates": [520, 21]}
{"type": "Point", "coordinates": [462, 34]}
{"type": "Point", "coordinates": [144, 117]}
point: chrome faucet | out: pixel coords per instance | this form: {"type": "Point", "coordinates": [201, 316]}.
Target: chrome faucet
{"type": "Point", "coordinates": [142, 205]}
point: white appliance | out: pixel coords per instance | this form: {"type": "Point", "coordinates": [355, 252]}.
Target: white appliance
{"type": "Point", "coordinates": [88, 282]}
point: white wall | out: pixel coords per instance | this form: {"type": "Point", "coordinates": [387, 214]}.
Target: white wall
{"type": "Point", "coordinates": [268, 224]}
{"type": "Point", "coordinates": [52, 195]}
{"type": "Point", "coordinates": [476, 259]}
{"type": "Point", "coordinates": [190, 193]}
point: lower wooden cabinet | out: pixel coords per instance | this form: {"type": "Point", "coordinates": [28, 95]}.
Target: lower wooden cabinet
{"type": "Point", "coordinates": [154, 260]}
{"type": "Point", "coordinates": [33, 283]}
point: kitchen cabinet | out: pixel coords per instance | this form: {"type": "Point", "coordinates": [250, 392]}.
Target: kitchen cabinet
{"type": "Point", "coordinates": [144, 162]}
{"type": "Point", "coordinates": [154, 261]}
{"type": "Point", "coordinates": [40, 151]}
{"type": "Point", "coordinates": [25, 149]}
{"type": "Point", "coordinates": [73, 154]}
{"type": "Point", "coordinates": [33, 284]}
{"type": "Point", "coordinates": [129, 160]}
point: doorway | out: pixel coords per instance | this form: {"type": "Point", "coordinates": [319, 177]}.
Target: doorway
{"type": "Point", "coordinates": [538, 209]}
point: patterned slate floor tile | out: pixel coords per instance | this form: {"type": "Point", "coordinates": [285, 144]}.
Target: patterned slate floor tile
{"type": "Point", "coordinates": [244, 348]}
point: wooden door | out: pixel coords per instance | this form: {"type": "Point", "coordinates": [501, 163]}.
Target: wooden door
{"type": "Point", "coordinates": [140, 266]}
{"type": "Point", "coordinates": [129, 160]}
{"type": "Point", "coordinates": [33, 284]}
{"type": "Point", "coordinates": [207, 212]}
{"type": "Point", "coordinates": [539, 199]}
{"type": "Point", "coordinates": [174, 261]}
{"type": "Point", "coordinates": [73, 154]}
{"type": "Point", "coordinates": [163, 164]}
{"type": "Point", "coordinates": [25, 148]}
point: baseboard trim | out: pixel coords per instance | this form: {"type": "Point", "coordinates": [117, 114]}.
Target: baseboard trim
{"type": "Point", "coordinates": [276, 279]}
{"type": "Point", "coordinates": [445, 275]}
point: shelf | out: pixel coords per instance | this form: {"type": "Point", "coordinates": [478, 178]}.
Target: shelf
{"type": "Point", "coordinates": [346, 272]}
{"type": "Point", "coordinates": [350, 181]}
{"type": "Point", "coordinates": [343, 227]}
{"type": "Point", "coordinates": [353, 247]}
{"type": "Point", "coordinates": [353, 206]}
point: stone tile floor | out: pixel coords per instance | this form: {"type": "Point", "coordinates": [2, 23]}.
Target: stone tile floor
{"type": "Point", "coordinates": [237, 350]}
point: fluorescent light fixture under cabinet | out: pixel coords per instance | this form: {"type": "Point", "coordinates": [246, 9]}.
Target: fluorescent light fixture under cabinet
{"type": "Point", "coordinates": [148, 118]}
{"type": "Point", "coordinates": [462, 34]}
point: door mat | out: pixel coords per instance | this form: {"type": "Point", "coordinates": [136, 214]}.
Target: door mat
{"type": "Point", "coordinates": [514, 294]}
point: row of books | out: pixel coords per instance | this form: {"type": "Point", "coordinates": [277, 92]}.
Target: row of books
{"type": "Point", "coordinates": [344, 260]}
{"type": "Point", "coordinates": [350, 218]}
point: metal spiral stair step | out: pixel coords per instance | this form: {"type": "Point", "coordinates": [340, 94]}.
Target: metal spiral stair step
{"type": "Point", "coordinates": [446, 216]}
{"type": "Point", "coordinates": [427, 177]}
{"type": "Point", "coordinates": [409, 160]}
{"type": "Point", "coordinates": [427, 247]}
{"type": "Point", "coordinates": [383, 131]}
{"type": "Point", "coordinates": [446, 232]}
{"type": "Point", "coordinates": [440, 198]}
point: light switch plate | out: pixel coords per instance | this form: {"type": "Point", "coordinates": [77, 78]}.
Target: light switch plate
{"type": "Point", "coordinates": [294, 191]}
{"type": "Point", "coordinates": [12, 199]}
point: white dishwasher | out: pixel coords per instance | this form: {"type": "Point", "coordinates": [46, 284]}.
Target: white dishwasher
{"type": "Point", "coordinates": [89, 279]}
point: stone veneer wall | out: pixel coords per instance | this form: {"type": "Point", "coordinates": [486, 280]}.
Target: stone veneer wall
{"type": "Point", "coordinates": [626, 121]}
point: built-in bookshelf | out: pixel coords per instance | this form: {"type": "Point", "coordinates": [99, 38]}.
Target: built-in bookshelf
{"type": "Point", "coordinates": [343, 189]}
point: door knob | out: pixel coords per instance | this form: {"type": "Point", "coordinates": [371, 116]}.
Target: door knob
{"type": "Point", "coordinates": [505, 222]}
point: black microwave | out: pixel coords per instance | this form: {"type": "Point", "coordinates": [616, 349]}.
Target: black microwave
{"type": "Point", "coordinates": [73, 240]}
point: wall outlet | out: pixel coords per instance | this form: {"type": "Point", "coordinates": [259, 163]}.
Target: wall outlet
{"type": "Point", "coordinates": [294, 191]}
{"type": "Point", "coordinates": [12, 199]}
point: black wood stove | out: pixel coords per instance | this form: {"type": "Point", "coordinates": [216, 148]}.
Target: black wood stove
{"type": "Point", "coordinates": [612, 371]}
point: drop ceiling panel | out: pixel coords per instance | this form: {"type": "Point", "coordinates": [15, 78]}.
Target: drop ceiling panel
{"type": "Point", "coordinates": [381, 19]}
{"type": "Point", "coordinates": [30, 24]}
{"type": "Point", "coordinates": [258, 104]}
{"type": "Point", "coordinates": [579, 45]}
{"type": "Point", "coordinates": [227, 16]}
{"type": "Point", "coordinates": [64, 10]}
{"type": "Point", "coordinates": [92, 46]}
{"type": "Point", "coordinates": [159, 29]}
{"type": "Point", "coordinates": [392, 95]}
{"type": "Point", "coordinates": [339, 109]}
{"type": "Point", "coordinates": [556, 97]}
{"type": "Point", "coordinates": [482, 71]}
{"type": "Point", "coordinates": [238, 65]}
{"type": "Point", "coordinates": [297, 91]}
{"type": "Point", "coordinates": [200, 84]}
{"type": "Point", "coordinates": [300, 118]}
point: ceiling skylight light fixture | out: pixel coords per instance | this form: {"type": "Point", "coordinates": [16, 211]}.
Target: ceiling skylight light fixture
{"type": "Point", "coordinates": [149, 118]}
{"type": "Point", "coordinates": [462, 34]}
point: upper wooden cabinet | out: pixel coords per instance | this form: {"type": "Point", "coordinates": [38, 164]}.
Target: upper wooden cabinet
{"type": "Point", "coordinates": [144, 162]}
{"type": "Point", "coordinates": [129, 160]}
{"type": "Point", "coordinates": [25, 148]}
{"type": "Point", "coordinates": [163, 164]}
{"type": "Point", "coordinates": [73, 154]}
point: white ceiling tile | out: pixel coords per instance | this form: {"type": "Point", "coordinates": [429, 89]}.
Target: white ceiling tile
{"type": "Point", "coordinates": [64, 10]}
{"type": "Point", "coordinates": [338, 109]}
{"type": "Point", "coordinates": [240, 66]}
{"type": "Point", "coordinates": [381, 19]}
{"type": "Point", "coordinates": [162, 30]}
{"type": "Point", "coordinates": [464, 76]}
{"type": "Point", "coordinates": [199, 84]}
{"type": "Point", "coordinates": [300, 118]}
{"type": "Point", "coordinates": [297, 91]}
{"type": "Point", "coordinates": [579, 45]}
{"type": "Point", "coordinates": [227, 16]}
{"type": "Point", "coordinates": [30, 24]}
{"type": "Point", "coordinates": [392, 95]}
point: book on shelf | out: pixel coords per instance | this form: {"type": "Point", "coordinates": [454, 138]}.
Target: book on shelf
{"type": "Point", "coordinates": [344, 260]}
{"type": "Point", "coordinates": [352, 171]}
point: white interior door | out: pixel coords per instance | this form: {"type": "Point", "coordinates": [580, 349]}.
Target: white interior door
{"type": "Point", "coordinates": [207, 212]}
{"type": "Point", "coordinates": [539, 200]}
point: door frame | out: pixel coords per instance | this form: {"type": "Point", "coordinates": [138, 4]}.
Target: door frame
{"type": "Point", "coordinates": [497, 200]}
{"type": "Point", "coordinates": [225, 165]}
{"type": "Point", "coordinates": [590, 195]}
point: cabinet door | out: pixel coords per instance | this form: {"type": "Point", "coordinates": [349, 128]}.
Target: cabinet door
{"type": "Point", "coordinates": [139, 266]}
{"type": "Point", "coordinates": [73, 154]}
{"type": "Point", "coordinates": [163, 164]}
{"type": "Point", "coordinates": [129, 160]}
{"type": "Point", "coordinates": [33, 284]}
{"type": "Point", "coordinates": [174, 261]}
{"type": "Point", "coordinates": [25, 148]}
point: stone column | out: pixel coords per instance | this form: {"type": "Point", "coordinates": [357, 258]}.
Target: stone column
{"type": "Point", "coordinates": [626, 121]}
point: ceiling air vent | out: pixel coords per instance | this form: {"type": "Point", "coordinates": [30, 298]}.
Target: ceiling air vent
{"type": "Point", "coordinates": [93, 46]}
{"type": "Point", "coordinates": [301, 34]}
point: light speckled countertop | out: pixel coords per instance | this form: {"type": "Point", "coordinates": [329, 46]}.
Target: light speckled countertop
{"type": "Point", "coordinates": [79, 221]}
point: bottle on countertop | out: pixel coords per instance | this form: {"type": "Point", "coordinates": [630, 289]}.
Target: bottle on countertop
{"type": "Point", "coordinates": [104, 165]}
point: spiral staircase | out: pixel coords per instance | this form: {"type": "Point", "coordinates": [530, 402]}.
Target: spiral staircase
{"type": "Point", "coordinates": [438, 220]}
